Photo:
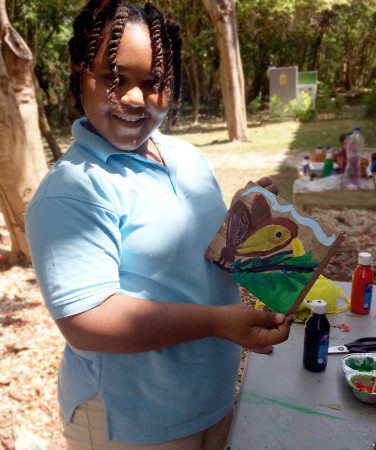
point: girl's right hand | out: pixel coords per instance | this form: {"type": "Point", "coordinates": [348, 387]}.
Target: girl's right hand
{"type": "Point", "coordinates": [251, 328]}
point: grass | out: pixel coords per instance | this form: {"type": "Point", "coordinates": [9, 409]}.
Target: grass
{"type": "Point", "coordinates": [274, 150]}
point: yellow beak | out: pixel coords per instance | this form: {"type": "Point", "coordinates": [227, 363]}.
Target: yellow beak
{"type": "Point", "coordinates": [297, 247]}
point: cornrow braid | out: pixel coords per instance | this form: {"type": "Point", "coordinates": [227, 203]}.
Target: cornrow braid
{"type": "Point", "coordinates": [88, 37]}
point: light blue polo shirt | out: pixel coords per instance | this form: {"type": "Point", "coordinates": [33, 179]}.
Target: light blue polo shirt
{"type": "Point", "coordinates": [104, 221]}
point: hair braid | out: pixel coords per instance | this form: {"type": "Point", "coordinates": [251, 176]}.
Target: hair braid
{"type": "Point", "coordinates": [117, 30]}
{"type": "Point", "coordinates": [156, 19]}
{"type": "Point", "coordinates": [95, 36]}
{"type": "Point", "coordinates": [83, 45]}
{"type": "Point", "coordinates": [166, 44]}
{"type": "Point", "coordinates": [169, 72]}
{"type": "Point", "coordinates": [174, 33]}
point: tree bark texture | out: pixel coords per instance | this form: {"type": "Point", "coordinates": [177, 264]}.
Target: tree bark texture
{"type": "Point", "coordinates": [222, 13]}
{"type": "Point", "coordinates": [19, 66]}
{"type": "Point", "coordinates": [194, 88]}
{"type": "Point", "coordinates": [45, 126]}
{"type": "Point", "coordinates": [18, 179]}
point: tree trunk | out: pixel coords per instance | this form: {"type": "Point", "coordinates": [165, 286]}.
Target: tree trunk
{"type": "Point", "coordinates": [19, 66]}
{"type": "Point", "coordinates": [44, 125]}
{"type": "Point", "coordinates": [222, 13]}
{"type": "Point", "coordinates": [18, 178]}
{"type": "Point", "coordinates": [194, 88]}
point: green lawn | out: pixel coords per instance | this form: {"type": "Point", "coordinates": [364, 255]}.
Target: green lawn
{"type": "Point", "coordinates": [274, 150]}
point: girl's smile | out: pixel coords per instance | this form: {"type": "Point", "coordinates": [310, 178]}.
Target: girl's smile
{"type": "Point", "coordinates": [138, 109]}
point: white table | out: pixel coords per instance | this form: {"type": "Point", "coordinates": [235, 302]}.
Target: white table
{"type": "Point", "coordinates": [282, 405]}
{"type": "Point", "coordinates": [327, 191]}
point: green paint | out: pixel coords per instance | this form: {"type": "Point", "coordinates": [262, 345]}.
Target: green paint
{"type": "Point", "coordinates": [276, 290]}
{"type": "Point", "coordinates": [252, 398]}
{"type": "Point", "coordinates": [366, 365]}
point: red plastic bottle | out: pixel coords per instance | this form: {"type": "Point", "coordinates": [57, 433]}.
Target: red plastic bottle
{"type": "Point", "coordinates": [362, 284]}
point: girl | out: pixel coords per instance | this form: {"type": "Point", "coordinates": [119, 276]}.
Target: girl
{"type": "Point", "coordinates": [117, 232]}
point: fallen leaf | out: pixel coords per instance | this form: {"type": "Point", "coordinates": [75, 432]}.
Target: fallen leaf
{"type": "Point", "coordinates": [13, 393]}
{"type": "Point", "coordinates": [333, 406]}
{"type": "Point", "coordinates": [16, 347]}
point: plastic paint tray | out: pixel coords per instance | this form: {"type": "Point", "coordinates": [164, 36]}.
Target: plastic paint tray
{"type": "Point", "coordinates": [360, 373]}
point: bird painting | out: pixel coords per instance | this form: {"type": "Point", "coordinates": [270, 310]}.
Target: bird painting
{"type": "Point", "coordinates": [256, 233]}
{"type": "Point", "coordinates": [271, 248]}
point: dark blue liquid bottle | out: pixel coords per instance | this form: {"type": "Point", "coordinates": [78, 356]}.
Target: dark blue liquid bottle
{"type": "Point", "coordinates": [316, 338]}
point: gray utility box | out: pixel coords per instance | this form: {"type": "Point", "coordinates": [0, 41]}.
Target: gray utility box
{"type": "Point", "coordinates": [283, 82]}
{"type": "Point", "coordinates": [287, 83]}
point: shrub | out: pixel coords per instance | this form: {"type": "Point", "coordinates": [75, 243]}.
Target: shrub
{"type": "Point", "coordinates": [276, 108]}
{"type": "Point", "coordinates": [370, 102]}
{"type": "Point", "coordinates": [323, 101]}
{"type": "Point", "coordinates": [255, 105]}
{"type": "Point", "coordinates": [339, 105]}
{"type": "Point", "coordinates": [301, 109]}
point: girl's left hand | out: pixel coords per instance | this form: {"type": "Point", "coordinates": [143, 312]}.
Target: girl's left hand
{"type": "Point", "coordinates": [267, 183]}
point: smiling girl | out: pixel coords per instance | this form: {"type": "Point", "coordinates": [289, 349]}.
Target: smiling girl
{"type": "Point", "coordinates": [117, 231]}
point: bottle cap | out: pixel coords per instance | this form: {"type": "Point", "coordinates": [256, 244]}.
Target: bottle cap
{"type": "Point", "coordinates": [318, 306]}
{"type": "Point", "coordinates": [357, 128]}
{"type": "Point", "coordinates": [318, 147]}
{"type": "Point", "coordinates": [365, 259]}
{"type": "Point", "coordinates": [307, 156]}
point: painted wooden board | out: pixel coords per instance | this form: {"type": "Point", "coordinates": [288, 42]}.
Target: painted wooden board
{"type": "Point", "coordinates": [271, 248]}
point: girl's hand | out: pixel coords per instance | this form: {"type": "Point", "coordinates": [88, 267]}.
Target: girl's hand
{"type": "Point", "coordinates": [251, 328]}
{"type": "Point", "coordinates": [267, 183]}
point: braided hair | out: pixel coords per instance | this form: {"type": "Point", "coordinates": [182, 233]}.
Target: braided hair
{"type": "Point", "coordinates": [88, 36]}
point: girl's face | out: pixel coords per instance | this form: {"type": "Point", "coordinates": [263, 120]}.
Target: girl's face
{"type": "Point", "coordinates": [141, 110]}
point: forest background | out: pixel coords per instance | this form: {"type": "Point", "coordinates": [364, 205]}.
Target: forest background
{"type": "Point", "coordinates": [335, 37]}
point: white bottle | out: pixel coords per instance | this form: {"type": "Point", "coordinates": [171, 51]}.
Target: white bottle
{"type": "Point", "coordinates": [352, 171]}
{"type": "Point", "coordinates": [305, 167]}
{"type": "Point", "coordinates": [359, 141]}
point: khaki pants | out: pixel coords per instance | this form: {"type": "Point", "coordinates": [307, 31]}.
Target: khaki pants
{"type": "Point", "coordinates": [87, 431]}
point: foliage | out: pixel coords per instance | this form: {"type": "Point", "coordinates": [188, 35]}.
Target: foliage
{"type": "Point", "coordinates": [370, 102]}
{"type": "Point", "coordinates": [323, 100]}
{"type": "Point", "coordinates": [335, 37]}
{"type": "Point", "coordinates": [328, 103]}
{"type": "Point", "coordinates": [276, 108]}
{"type": "Point", "coordinates": [255, 105]}
{"type": "Point", "coordinates": [339, 104]}
{"type": "Point", "coordinates": [46, 26]}
{"type": "Point", "coordinates": [301, 109]}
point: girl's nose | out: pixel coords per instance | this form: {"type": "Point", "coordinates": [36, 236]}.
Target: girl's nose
{"type": "Point", "coordinates": [133, 96]}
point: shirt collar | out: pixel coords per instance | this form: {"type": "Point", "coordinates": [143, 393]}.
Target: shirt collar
{"type": "Point", "coordinates": [100, 147]}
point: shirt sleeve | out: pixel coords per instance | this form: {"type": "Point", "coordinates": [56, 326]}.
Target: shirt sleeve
{"type": "Point", "coordinates": [76, 250]}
